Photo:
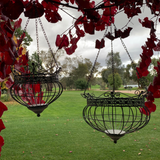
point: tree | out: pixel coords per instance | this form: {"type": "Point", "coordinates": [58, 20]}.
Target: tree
{"type": "Point", "coordinates": [117, 81]}
{"type": "Point", "coordinates": [81, 84]}
{"type": "Point", "coordinates": [118, 68]}
{"type": "Point", "coordinates": [26, 40]}
{"type": "Point", "coordinates": [48, 59]}
{"type": "Point", "coordinates": [78, 68]}
{"type": "Point", "coordinates": [35, 59]}
{"type": "Point", "coordinates": [105, 73]}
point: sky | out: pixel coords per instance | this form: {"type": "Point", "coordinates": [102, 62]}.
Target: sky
{"type": "Point", "coordinates": [86, 46]}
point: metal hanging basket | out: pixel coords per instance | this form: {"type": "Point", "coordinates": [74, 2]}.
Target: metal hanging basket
{"type": "Point", "coordinates": [115, 113]}
{"type": "Point", "coordinates": [35, 87]}
{"type": "Point", "coordinates": [35, 90]}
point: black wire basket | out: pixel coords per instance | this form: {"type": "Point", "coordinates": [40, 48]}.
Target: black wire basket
{"type": "Point", "coordinates": [115, 113]}
{"type": "Point", "coordinates": [35, 90]}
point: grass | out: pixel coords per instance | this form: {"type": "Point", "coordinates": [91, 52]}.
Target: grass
{"type": "Point", "coordinates": [61, 129]}
{"type": "Point", "coordinates": [121, 88]}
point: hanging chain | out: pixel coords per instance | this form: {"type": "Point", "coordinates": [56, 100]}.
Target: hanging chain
{"type": "Point", "coordinates": [23, 34]}
{"type": "Point", "coordinates": [112, 54]}
{"type": "Point", "coordinates": [45, 35]}
{"type": "Point", "coordinates": [113, 69]}
{"type": "Point", "coordinates": [94, 64]}
{"type": "Point", "coordinates": [141, 81]}
{"type": "Point", "coordinates": [36, 22]}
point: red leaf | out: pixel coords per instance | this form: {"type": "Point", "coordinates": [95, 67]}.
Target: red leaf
{"type": "Point", "coordinates": [13, 9]}
{"type": "Point", "coordinates": [144, 111]}
{"type": "Point", "coordinates": [79, 32]}
{"type": "Point", "coordinates": [100, 44]}
{"type": "Point", "coordinates": [145, 73]}
{"type": "Point", "coordinates": [1, 125]}
{"type": "Point", "coordinates": [151, 88]}
{"type": "Point", "coordinates": [53, 17]}
{"type": "Point", "coordinates": [3, 40]}
{"type": "Point", "coordinates": [150, 97]}
{"type": "Point", "coordinates": [2, 108]}
{"type": "Point", "coordinates": [9, 83]}
{"type": "Point", "coordinates": [146, 23]}
{"type": "Point", "coordinates": [62, 41]}
{"type": "Point", "coordinates": [34, 10]}
{"type": "Point", "coordinates": [139, 73]}
{"type": "Point", "coordinates": [74, 40]}
{"type": "Point", "coordinates": [157, 48]}
{"type": "Point", "coordinates": [151, 106]}
{"type": "Point", "coordinates": [17, 24]}
{"type": "Point", "coordinates": [72, 1]}
{"type": "Point", "coordinates": [100, 26]}
{"type": "Point", "coordinates": [1, 143]}
{"type": "Point", "coordinates": [37, 88]}
{"type": "Point", "coordinates": [156, 94]}
{"type": "Point", "coordinates": [71, 50]}
{"type": "Point", "coordinates": [3, 2]}
{"type": "Point", "coordinates": [84, 4]}
{"type": "Point", "coordinates": [7, 58]}
{"type": "Point", "coordinates": [51, 11]}
{"type": "Point", "coordinates": [109, 36]}
{"type": "Point", "coordinates": [126, 32]}
{"type": "Point", "coordinates": [8, 70]}
{"type": "Point", "coordinates": [89, 27]}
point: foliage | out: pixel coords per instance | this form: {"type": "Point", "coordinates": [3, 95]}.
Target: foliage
{"type": "Point", "coordinates": [35, 59]}
{"type": "Point", "coordinates": [26, 40]}
{"type": "Point", "coordinates": [81, 84]}
{"type": "Point", "coordinates": [77, 68]}
{"type": "Point", "coordinates": [93, 17]}
{"type": "Point", "coordinates": [116, 82]}
{"type": "Point", "coordinates": [105, 73]}
{"type": "Point", "coordinates": [48, 59]}
{"type": "Point", "coordinates": [116, 61]}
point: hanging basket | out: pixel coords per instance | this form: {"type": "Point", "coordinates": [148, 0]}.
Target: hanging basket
{"type": "Point", "coordinates": [35, 90]}
{"type": "Point", "coordinates": [115, 113]}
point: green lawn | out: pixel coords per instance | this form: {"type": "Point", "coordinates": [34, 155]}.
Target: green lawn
{"type": "Point", "coordinates": [61, 129]}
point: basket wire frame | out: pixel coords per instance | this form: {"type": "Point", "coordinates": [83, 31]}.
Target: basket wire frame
{"type": "Point", "coordinates": [115, 113]}
{"type": "Point", "coordinates": [36, 90]}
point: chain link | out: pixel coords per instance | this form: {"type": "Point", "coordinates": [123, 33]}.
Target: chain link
{"type": "Point", "coordinates": [36, 23]}
{"type": "Point", "coordinates": [133, 64]}
{"type": "Point", "coordinates": [23, 34]}
{"type": "Point", "coordinates": [94, 64]}
{"type": "Point", "coordinates": [112, 54]}
{"type": "Point", "coordinates": [45, 35]}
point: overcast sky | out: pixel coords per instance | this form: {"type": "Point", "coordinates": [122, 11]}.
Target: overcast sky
{"type": "Point", "coordinates": [86, 46]}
